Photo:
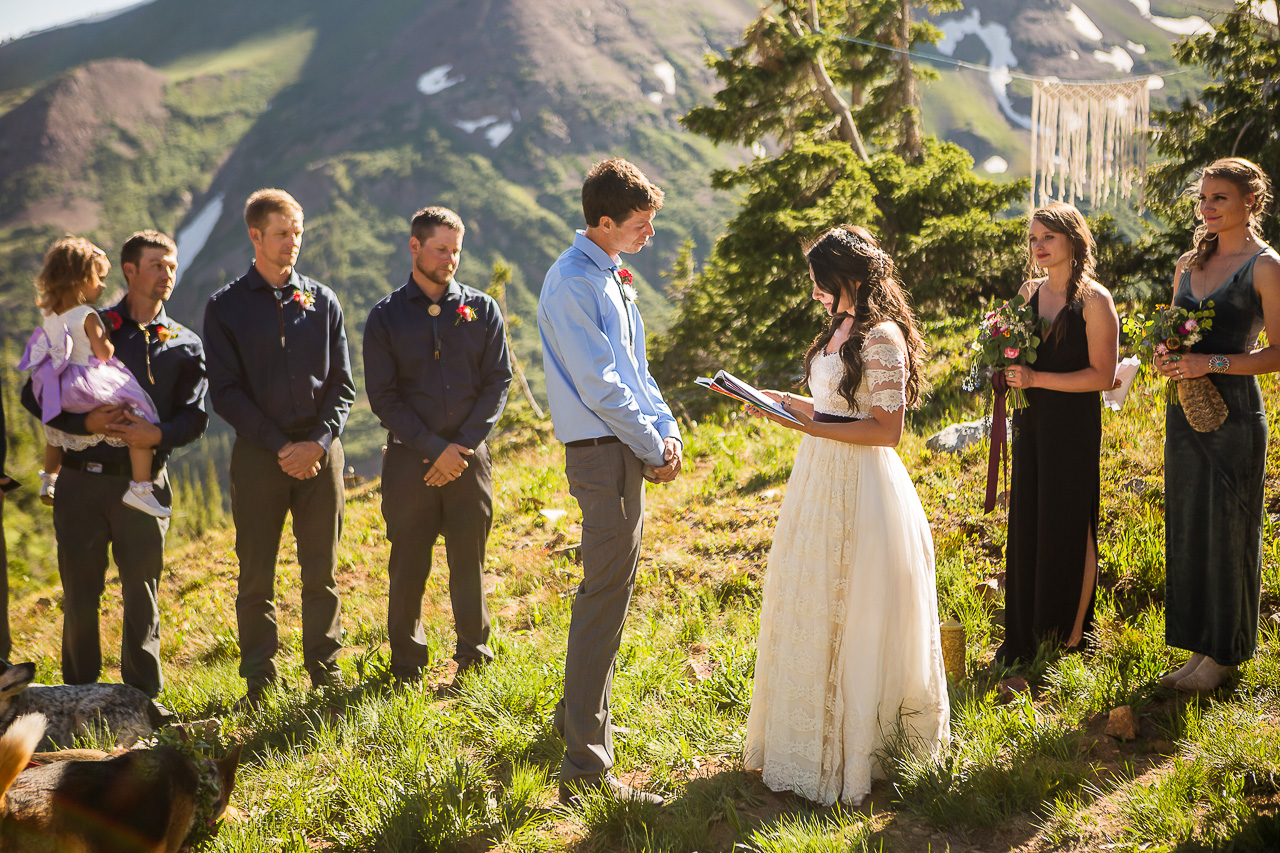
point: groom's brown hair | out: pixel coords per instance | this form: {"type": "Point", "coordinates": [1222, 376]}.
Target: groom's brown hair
{"type": "Point", "coordinates": [617, 189]}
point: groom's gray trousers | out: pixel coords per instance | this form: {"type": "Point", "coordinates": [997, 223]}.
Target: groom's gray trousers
{"type": "Point", "coordinates": [607, 481]}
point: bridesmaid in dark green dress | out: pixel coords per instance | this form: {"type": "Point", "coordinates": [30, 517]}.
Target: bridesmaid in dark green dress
{"type": "Point", "coordinates": [1213, 481]}
{"type": "Point", "coordinates": [1051, 557]}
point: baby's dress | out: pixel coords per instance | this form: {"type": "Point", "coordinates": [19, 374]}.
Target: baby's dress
{"type": "Point", "coordinates": [849, 653]}
{"type": "Point", "coordinates": [67, 377]}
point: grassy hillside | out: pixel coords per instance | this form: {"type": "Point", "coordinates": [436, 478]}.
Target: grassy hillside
{"type": "Point", "coordinates": [378, 768]}
{"type": "Point", "coordinates": [324, 99]}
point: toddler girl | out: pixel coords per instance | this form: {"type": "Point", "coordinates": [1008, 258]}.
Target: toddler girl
{"type": "Point", "coordinates": [74, 368]}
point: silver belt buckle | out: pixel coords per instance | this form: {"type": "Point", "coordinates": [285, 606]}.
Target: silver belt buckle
{"type": "Point", "coordinates": [93, 467]}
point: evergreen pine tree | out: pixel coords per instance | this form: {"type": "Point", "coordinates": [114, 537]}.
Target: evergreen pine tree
{"type": "Point", "coordinates": [843, 117]}
{"type": "Point", "coordinates": [1235, 117]}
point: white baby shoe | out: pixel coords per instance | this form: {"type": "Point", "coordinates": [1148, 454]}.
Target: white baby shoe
{"type": "Point", "coordinates": [47, 484]}
{"type": "Point", "coordinates": [140, 497]}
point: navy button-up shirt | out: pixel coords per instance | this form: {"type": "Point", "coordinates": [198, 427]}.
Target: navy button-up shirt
{"type": "Point", "coordinates": [279, 370]}
{"type": "Point", "coordinates": [167, 359]}
{"type": "Point", "coordinates": [436, 380]}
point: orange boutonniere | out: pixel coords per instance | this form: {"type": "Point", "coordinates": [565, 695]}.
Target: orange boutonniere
{"type": "Point", "coordinates": [465, 312]}
{"type": "Point", "coordinates": [305, 298]}
{"type": "Point", "coordinates": [163, 333]}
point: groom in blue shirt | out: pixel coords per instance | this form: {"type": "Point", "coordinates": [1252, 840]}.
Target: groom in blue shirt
{"type": "Point", "coordinates": [617, 432]}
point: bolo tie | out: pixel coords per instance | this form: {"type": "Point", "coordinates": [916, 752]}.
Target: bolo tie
{"type": "Point", "coordinates": [626, 307]}
{"type": "Point", "coordinates": [434, 310]}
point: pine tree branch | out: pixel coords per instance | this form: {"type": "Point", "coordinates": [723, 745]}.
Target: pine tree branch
{"type": "Point", "coordinates": [848, 130]}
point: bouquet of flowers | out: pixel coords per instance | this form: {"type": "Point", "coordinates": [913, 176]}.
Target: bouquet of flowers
{"type": "Point", "coordinates": [1172, 331]}
{"type": "Point", "coordinates": [1007, 335]}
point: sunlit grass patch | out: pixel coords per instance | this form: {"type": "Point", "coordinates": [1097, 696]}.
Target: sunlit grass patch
{"type": "Point", "coordinates": [1126, 659]}
{"type": "Point", "coordinates": [1002, 760]}
{"type": "Point", "coordinates": [834, 831]}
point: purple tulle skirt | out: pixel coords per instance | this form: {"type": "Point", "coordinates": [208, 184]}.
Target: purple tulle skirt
{"type": "Point", "coordinates": [85, 387]}
{"type": "Point", "coordinates": [63, 386]}
{"type": "Point", "coordinates": [102, 383]}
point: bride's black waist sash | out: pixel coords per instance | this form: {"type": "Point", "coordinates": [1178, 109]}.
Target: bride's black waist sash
{"type": "Point", "coordinates": [825, 418]}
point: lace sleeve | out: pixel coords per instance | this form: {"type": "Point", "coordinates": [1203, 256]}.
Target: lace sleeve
{"type": "Point", "coordinates": [885, 365]}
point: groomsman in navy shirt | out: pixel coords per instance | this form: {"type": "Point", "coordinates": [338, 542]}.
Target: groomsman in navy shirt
{"type": "Point", "coordinates": [437, 370]}
{"type": "Point", "coordinates": [89, 520]}
{"type": "Point", "coordinates": [280, 374]}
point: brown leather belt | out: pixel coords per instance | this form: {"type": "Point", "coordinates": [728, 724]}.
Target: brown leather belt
{"type": "Point", "coordinates": [592, 442]}
{"type": "Point", "coordinates": [110, 469]}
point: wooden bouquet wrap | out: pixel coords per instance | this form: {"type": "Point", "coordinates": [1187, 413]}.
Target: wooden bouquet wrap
{"type": "Point", "coordinates": [1201, 403]}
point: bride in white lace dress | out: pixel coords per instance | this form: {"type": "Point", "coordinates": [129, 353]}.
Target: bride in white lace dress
{"type": "Point", "coordinates": [849, 653]}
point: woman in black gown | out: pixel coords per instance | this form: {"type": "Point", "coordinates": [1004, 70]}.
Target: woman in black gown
{"type": "Point", "coordinates": [1051, 557]}
{"type": "Point", "coordinates": [1213, 481]}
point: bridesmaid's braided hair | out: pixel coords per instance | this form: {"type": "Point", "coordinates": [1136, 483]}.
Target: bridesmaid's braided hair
{"type": "Point", "coordinates": [1249, 178]}
{"type": "Point", "coordinates": [1066, 220]}
{"type": "Point", "coordinates": [846, 262]}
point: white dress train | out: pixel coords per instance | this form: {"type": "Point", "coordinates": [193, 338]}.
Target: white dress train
{"type": "Point", "coordinates": [849, 649]}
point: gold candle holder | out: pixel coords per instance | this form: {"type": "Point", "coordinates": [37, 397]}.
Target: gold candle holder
{"type": "Point", "coordinates": [953, 649]}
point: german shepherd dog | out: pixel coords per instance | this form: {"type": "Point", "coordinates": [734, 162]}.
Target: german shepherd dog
{"type": "Point", "coordinates": [122, 712]}
{"type": "Point", "coordinates": [143, 801]}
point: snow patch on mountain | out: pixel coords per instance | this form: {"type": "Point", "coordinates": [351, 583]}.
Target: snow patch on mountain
{"type": "Point", "coordinates": [437, 80]}
{"type": "Point", "coordinates": [998, 43]}
{"type": "Point", "coordinates": [496, 130]}
{"type": "Point", "coordinates": [1117, 57]}
{"type": "Point", "coordinates": [1188, 26]}
{"type": "Point", "coordinates": [666, 72]}
{"type": "Point", "coordinates": [1087, 28]}
{"type": "Point", "coordinates": [471, 126]}
{"type": "Point", "coordinates": [497, 133]}
{"type": "Point", "coordinates": [192, 238]}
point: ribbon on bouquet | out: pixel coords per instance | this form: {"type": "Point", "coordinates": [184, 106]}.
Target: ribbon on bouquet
{"type": "Point", "coordinates": [999, 440]}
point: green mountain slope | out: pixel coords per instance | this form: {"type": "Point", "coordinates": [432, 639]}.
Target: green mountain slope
{"type": "Point", "coordinates": [365, 113]}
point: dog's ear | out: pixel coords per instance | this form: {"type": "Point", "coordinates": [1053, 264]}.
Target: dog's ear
{"type": "Point", "coordinates": [16, 678]}
{"type": "Point", "coordinates": [227, 775]}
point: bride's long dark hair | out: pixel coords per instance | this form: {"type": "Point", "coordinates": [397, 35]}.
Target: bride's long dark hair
{"type": "Point", "coordinates": [859, 275]}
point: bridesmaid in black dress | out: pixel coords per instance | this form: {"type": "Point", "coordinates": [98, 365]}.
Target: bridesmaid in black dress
{"type": "Point", "coordinates": [1051, 558]}
{"type": "Point", "coordinates": [1213, 481]}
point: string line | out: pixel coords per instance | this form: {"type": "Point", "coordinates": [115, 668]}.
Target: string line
{"type": "Point", "coordinates": [973, 66]}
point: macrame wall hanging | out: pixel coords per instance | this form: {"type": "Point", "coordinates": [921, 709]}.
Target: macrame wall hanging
{"type": "Point", "coordinates": [1089, 138]}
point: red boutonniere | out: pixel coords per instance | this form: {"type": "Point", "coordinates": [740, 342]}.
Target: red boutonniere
{"type": "Point", "coordinates": [624, 282]}
{"type": "Point", "coordinates": [465, 312]}
{"type": "Point", "coordinates": [305, 298]}
{"type": "Point", "coordinates": [114, 320]}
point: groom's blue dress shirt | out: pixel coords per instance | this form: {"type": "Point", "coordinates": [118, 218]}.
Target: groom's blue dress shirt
{"type": "Point", "coordinates": [597, 375]}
